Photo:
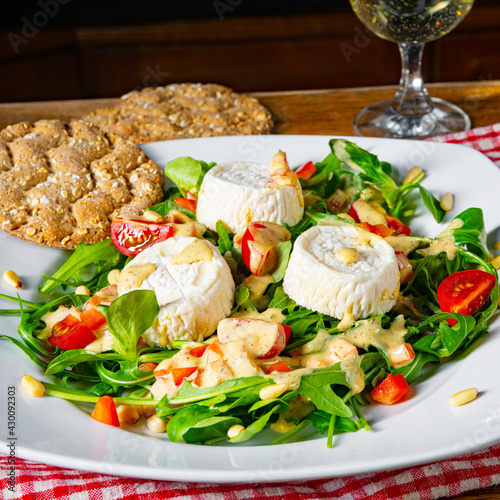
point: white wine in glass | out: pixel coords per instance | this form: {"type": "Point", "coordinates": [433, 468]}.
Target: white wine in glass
{"type": "Point", "coordinates": [411, 23]}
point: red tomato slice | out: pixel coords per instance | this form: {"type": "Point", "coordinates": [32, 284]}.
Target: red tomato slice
{"type": "Point", "coordinates": [306, 171]}
{"type": "Point", "coordinates": [392, 389]}
{"type": "Point", "coordinates": [288, 331]}
{"type": "Point", "coordinates": [187, 204]}
{"type": "Point", "coordinates": [71, 333]}
{"type": "Point", "coordinates": [352, 212]}
{"type": "Point", "coordinates": [93, 319]}
{"type": "Point", "coordinates": [397, 225]}
{"type": "Point", "coordinates": [105, 411]}
{"type": "Point", "coordinates": [179, 374]}
{"type": "Point", "coordinates": [464, 292]}
{"type": "Point", "coordinates": [198, 351]}
{"type": "Point", "coordinates": [132, 236]}
{"type": "Point", "coordinates": [279, 367]}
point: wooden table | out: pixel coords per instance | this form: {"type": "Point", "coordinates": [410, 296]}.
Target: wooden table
{"type": "Point", "coordinates": [307, 112]}
{"type": "Point", "coordinates": [299, 112]}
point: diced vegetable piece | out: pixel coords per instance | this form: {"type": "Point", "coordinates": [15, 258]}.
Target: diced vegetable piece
{"type": "Point", "coordinates": [198, 351]}
{"type": "Point", "coordinates": [306, 171]}
{"type": "Point", "coordinates": [187, 204]}
{"type": "Point", "coordinates": [397, 225]}
{"type": "Point", "coordinates": [393, 389]}
{"type": "Point", "coordinates": [93, 318]}
{"type": "Point", "coordinates": [179, 374]}
{"type": "Point", "coordinates": [105, 411]}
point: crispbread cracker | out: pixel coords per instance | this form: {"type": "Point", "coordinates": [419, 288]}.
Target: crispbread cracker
{"type": "Point", "coordinates": [61, 184]}
{"type": "Point", "coordinates": [180, 111]}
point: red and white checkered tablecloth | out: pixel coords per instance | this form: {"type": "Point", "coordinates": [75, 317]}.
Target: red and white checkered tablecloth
{"type": "Point", "coordinates": [441, 479]}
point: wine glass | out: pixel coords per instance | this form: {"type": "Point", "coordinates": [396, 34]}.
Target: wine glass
{"type": "Point", "coordinates": [411, 23]}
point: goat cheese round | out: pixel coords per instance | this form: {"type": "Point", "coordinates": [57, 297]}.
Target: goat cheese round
{"type": "Point", "coordinates": [193, 285]}
{"type": "Point", "coordinates": [321, 278]}
{"type": "Point", "coordinates": [239, 192]}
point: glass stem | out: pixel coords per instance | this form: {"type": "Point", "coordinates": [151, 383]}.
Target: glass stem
{"type": "Point", "coordinates": [412, 98]}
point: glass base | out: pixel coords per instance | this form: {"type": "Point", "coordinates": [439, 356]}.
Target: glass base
{"type": "Point", "coordinates": [381, 120]}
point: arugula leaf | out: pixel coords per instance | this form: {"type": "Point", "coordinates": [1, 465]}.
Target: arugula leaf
{"type": "Point", "coordinates": [371, 170]}
{"type": "Point", "coordinates": [284, 249]}
{"type": "Point", "coordinates": [224, 243]}
{"type": "Point", "coordinates": [129, 316]}
{"type": "Point", "coordinates": [187, 173]}
{"type": "Point", "coordinates": [241, 294]}
{"type": "Point", "coordinates": [187, 418]}
{"type": "Point", "coordinates": [316, 386]}
{"type": "Point", "coordinates": [411, 372]}
{"type": "Point", "coordinates": [255, 426]}
{"type": "Point", "coordinates": [188, 394]}
{"type": "Point", "coordinates": [39, 362]}
{"type": "Point", "coordinates": [432, 204]}
{"type": "Point", "coordinates": [472, 233]}
{"type": "Point", "coordinates": [69, 359]}
{"type": "Point", "coordinates": [84, 255]}
{"type": "Point", "coordinates": [281, 300]}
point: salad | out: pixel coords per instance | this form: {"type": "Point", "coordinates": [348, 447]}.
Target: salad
{"type": "Point", "coordinates": [309, 302]}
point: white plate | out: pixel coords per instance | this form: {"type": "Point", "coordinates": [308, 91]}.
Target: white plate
{"type": "Point", "coordinates": [422, 429]}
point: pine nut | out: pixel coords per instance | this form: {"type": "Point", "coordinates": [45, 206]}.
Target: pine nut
{"type": "Point", "coordinates": [32, 386]}
{"type": "Point", "coordinates": [82, 290]}
{"type": "Point", "coordinates": [463, 397]}
{"type": "Point", "coordinates": [153, 216]}
{"type": "Point", "coordinates": [114, 276]}
{"type": "Point", "coordinates": [412, 175]}
{"type": "Point", "coordinates": [156, 424]}
{"type": "Point", "coordinates": [128, 414]}
{"type": "Point", "coordinates": [12, 279]}
{"type": "Point", "coordinates": [234, 431]}
{"type": "Point", "coordinates": [496, 246]}
{"type": "Point", "coordinates": [495, 262]}
{"type": "Point", "coordinates": [148, 411]}
{"type": "Point", "coordinates": [272, 391]}
{"type": "Point", "coordinates": [446, 202]}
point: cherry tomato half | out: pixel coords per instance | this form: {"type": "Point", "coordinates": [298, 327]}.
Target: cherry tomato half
{"type": "Point", "coordinates": [71, 333]}
{"type": "Point", "coordinates": [464, 292]}
{"type": "Point", "coordinates": [132, 236]}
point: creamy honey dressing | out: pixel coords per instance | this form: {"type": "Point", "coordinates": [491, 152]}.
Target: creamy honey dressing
{"type": "Point", "coordinates": [445, 241]}
{"type": "Point", "coordinates": [197, 251]}
{"type": "Point", "coordinates": [133, 276]}
{"type": "Point", "coordinates": [370, 332]}
{"type": "Point", "coordinates": [403, 243]}
{"type": "Point", "coordinates": [298, 410]}
{"type": "Point", "coordinates": [273, 314]}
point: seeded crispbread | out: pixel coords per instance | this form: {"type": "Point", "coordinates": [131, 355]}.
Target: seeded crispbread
{"type": "Point", "coordinates": [180, 111]}
{"type": "Point", "coordinates": [61, 184]}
